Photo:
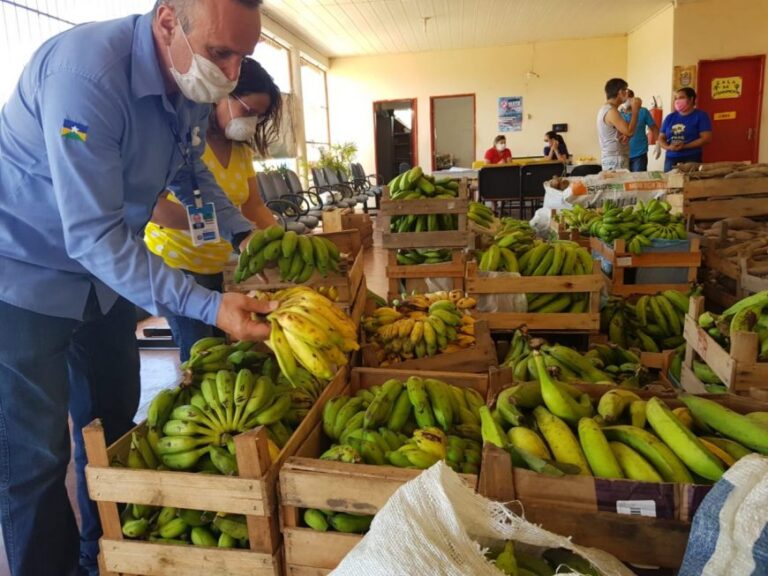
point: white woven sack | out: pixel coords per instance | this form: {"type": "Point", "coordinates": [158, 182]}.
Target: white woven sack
{"type": "Point", "coordinates": [435, 525]}
{"type": "Point", "coordinates": [729, 530]}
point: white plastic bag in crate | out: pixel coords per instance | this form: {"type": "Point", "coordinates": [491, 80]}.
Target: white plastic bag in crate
{"type": "Point", "coordinates": [437, 525]}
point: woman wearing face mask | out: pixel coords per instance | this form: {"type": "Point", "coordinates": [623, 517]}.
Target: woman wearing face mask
{"type": "Point", "coordinates": [499, 153]}
{"type": "Point", "coordinates": [555, 148]}
{"type": "Point", "coordinates": [685, 131]}
{"type": "Point", "coordinates": [247, 120]}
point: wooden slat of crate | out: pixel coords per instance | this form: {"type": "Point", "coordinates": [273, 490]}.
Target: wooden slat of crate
{"type": "Point", "coordinates": [151, 559]}
{"type": "Point", "coordinates": [460, 238]}
{"type": "Point", "coordinates": [478, 358]}
{"type": "Point", "coordinates": [346, 281]}
{"type": "Point", "coordinates": [307, 482]}
{"type": "Point", "coordinates": [564, 233]}
{"type": "Point", "coordinates": [718, 198]}
{"type": "Point", "coordinates": [253, 492]}
{"type": "Point", "coordinates": [396, 272]}
{"type": "Point", "coordinates": [561, 321]}
{"type": "Point", "coordinates": [620, 260]}
{"type": "Point", "coordinates": [738, 368]}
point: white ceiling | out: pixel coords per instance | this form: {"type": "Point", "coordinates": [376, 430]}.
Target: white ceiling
{"type": "Point", "coordinates": [356, 27]}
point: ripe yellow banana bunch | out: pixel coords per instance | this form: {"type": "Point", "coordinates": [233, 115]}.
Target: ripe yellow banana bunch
{"type": "Point", "coordinates": [309, 331]}
{"type": "Point", "coordinates": [629, 437]}
{"type": "Point", "coordinates": [417, 329]}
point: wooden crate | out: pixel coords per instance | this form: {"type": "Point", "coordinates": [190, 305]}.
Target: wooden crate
{"type": "Point", "coordinates": [346, 281]}
{"type": "Point", "coordinates": [253, 493]}
{"type": "Point", "coordinates": [718, 198]}
{"type": "Point", "coordinates": [738, 367]}
{"type": "Point", "coordinates": [584, 507]}
{"type": "Point", "coordinates": [397, 272]}
{"type": "Point", "coordinates": [460, 238]}
{"type": "Point", "coordinates": [621, 261]}
{"type": "Point", "coordinates": [478, 358]}
{"type": "Point", "coordinates": [562, 232]}
{"type": "Point", "coordinates": [588, 321]}
{"type": "Point", "coordinates": [307, 482]}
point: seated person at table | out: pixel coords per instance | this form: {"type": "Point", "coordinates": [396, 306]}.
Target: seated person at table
{"type": "Point", "coordinates": [555, 148]}
{"type": "Point", "coordinates": [498, 154]}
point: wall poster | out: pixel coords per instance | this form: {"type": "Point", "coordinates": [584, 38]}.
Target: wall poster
{"type": "Point", "coordinates": [510, 113]}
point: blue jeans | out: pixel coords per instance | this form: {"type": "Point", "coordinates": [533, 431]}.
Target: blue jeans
{"type": "Point", "coordinates": [187, 331]}
{"type": "Point", "coordinates": [639, 163]}
{"type": "Point", "coordinates": [669, 163]}
{"type": "Point", "coordinates": [49, 366]}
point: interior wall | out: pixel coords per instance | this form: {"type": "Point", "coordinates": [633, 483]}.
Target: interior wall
{"type": "Point", "coordinates": [717, 29]}
{"type": "Point", "coordinates": [569, 88]}
{"type": "Point", "coordinates": [455, 128]}
{"type": "Point", "coordinates": [649, 65]}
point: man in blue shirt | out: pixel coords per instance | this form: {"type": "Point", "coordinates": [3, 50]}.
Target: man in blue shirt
{"type": "Point", "coordinates": [638, 143]}
{"type": "Point", "coordinates": [104, 117]}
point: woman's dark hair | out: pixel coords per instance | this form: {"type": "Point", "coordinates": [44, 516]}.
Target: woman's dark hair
{"type": "Point", "coordinates": [499, 138]}
{"type": "Point", "coordinates": [689, 93]}
{"type": "Point", "coordinates": [254, 79]}
{"type": "Point", "coordinates": [552, 135]}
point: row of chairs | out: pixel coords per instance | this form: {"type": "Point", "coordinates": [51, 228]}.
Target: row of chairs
{"type": "Point", "coordinates": [301, 210]}
{"type": "Point", "coordinates": [520, 187]}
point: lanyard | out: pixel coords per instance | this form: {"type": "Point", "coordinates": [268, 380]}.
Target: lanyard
{"type": "Point", "coordinates": [189, 163]}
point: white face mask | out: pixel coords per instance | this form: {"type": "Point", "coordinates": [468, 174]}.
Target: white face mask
{"type": "Point", "coordinates": [204, 82]}
{"type": "Point", "coordinates": [501, 147]}
{"type": "Point", "coordinates": [240, 129]}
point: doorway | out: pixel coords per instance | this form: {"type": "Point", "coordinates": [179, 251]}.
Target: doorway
{"type": "Point", "coordinates": [395, 128]}
{"type": "Point", "coordinates": [453, 130]}
{"type": "Point", "coordinates": [731, 92]}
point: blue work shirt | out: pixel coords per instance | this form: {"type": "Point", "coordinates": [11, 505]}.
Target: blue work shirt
{"type": "Point", "coordinates": [638, 144]}
{"type": "Point", "coordinates": [86, 146]}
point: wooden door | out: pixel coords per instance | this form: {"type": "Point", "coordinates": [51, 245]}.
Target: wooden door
{"type": "Point", "coordinates": [731, 92]}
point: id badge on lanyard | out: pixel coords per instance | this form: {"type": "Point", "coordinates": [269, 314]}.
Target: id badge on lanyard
{"type": "Point", "coordinates": [203, 226]}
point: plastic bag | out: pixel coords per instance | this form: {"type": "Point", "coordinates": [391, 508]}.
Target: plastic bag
{"type": "Point", "coordinates": [501, 302]}
{"type": "Point", "coordinates": [437, 525]}
{"type": "Point", "coordinates": [730, 528]}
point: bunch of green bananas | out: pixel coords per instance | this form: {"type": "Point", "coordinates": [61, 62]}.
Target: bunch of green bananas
{"type": "Point", "coordinates": [556, 258]}
{"type": "Point", "coordinates": [654, 323]}
{"type": "Point", "coordinates": [514, 561]}
{"type": "Point", "coordinates": [603, 364]}
{"type": "Point", "coordinates": [424, 223]}
{"type": "Point", "coordinates": [213, 353]}
{"type": "Point", "coordinates": [309, 330]}
{"type": "Point", "coordinates": [180, 526]}
{"type": "Point", "coordinates": [405, 333]}
{"type": "Point", "coordinates": [424, 256]}
{"type": "Point", "coordinates": [638, 225]}
{"type": "Point", "coordinates": [410, 424]}
{"type": "Point", "coordinates": [578, 218]}
{"type": "Point", "coordinates": [553, 429]}
{"type": "Point", "coordinates": [226, 404]}
{"type": "Point", "coordinates": [516, 235]}
{"type": "Point", "coordinates": [749, 314]}
{"type": "Point", "coordinates": [415, 185]}
{"type": "Point", "coordinates": [324, 520]}
{"type": "Point", "coordinates": [297, 256]}
{"type": "Point", "coordinates": [482, 218]}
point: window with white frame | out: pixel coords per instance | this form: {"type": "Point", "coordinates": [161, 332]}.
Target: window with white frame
{"type": "Point", "coordinates": [26, 24]}
{"type": "Point", "coordinates": [315, 99]}
{"type": "Point", "coordinates": [275, 58]}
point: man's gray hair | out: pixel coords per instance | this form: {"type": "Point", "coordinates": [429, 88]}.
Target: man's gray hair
{"type": "Point", "coordinates": [181, 7]}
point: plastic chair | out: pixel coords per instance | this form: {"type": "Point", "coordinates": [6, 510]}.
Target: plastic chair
{"type": "Point", "coordinates": [500, 184]}
{"type": "Point", "coordinates": [327, 193]}
{"type": "Point", "coordinates": [362, 182]}
{"type": "Point", "coordinates": [307, 216]}
{"type": "Point", "coordinates": [285, 209]}
{"type": "Point", "coordinates": [348, 193]}
{"type": "Point", "coordinates": [532, 178]}
{"type": "Point", "coordinates": [586, 170]}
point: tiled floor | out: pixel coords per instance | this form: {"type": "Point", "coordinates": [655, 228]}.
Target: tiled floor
{"type": "Point", "coordinates": [159, 368]}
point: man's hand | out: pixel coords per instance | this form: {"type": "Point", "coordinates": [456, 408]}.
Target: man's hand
{"type": "Point", "coordinates": [657, 150]}
{"type": "Point", "coordinates": [234, 317]}
{"type": "Point", "coordinates": [244, 244]}
{"type": "Point", "coordinates": [636, 104]}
